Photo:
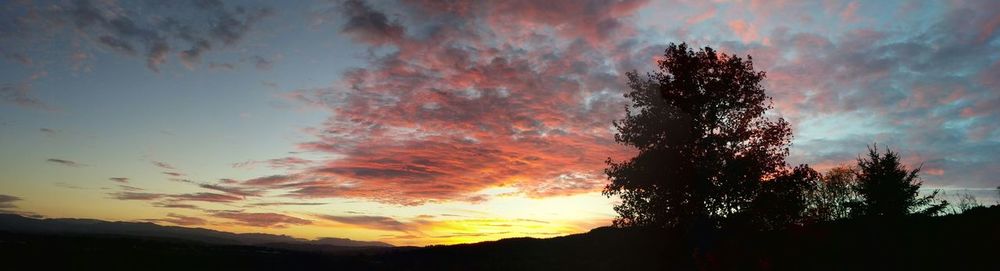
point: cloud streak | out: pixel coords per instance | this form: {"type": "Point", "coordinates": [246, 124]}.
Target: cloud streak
{"type": "Point", "coordinates": [263, 220]}
{"type": "Point", "coordinates": [7, 201]}
{"type": "Point", "coordinates": [64, 162]}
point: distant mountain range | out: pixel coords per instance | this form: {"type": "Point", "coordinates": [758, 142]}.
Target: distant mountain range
{"type": "Point", "coordinates": [966, 241]}
{"type": "Point", "coordinates": [19, 224]}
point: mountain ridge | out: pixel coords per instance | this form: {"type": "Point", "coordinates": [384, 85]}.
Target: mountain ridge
{"type": "Point", "coordinates": [17, 223]}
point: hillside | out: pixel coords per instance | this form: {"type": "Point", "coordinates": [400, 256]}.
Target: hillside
{"type": "Point", "coordinates": [959, 242]}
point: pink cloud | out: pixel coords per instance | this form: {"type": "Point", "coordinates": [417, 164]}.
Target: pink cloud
{"type": "Point", "coordinates": [849, 14]}
{"type": "Point", "coordinates": [747, 32]}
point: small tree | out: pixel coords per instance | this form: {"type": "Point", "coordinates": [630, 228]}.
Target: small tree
{"type": "Point", "coordinates": [834, 195]}
{"type": "Point", "coordinates": [704, 142]}
{"type": "Point", "coordinates": [888, 189]}
{"type": "Point", "coordinates": [966, 202]}
{"type": "Point", "coordinates": [784, 201]}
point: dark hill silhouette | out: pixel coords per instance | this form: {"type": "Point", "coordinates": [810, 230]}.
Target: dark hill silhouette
{"type": "Point", "coordinates": [964, 241]}
{"type": "Point", "coordinates": [20, 224]}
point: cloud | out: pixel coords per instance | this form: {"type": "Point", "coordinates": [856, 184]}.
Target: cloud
{"type": "Point", "coordinates": [262, 63]}
{"type": "Point", "coordinates": [368, 25]}
{"type": "Point", "coordinates": [119, 179]}
{"type": "Point", "coordinates": [206, 197]}
{"type": "Point", "coordinates": [371, 222]}
{"type": "Point", "coordinates": [922, 91]}
{"type": "Point", "coordinates": [175, 200]}
{"type": "Point", "coordinates": [163, 165]}
{"type": "Point", "coordinates": [130, 188]}
{"type": "Point", "coordinates": [747, 32]}
{"type": "Point", "coordinates": [181, 220]}
{"type": "Point", "coordinates": [136, 195]}
{"type": "Point", "coordinates": [125, 28]}
{"type": "Point", "coordinates": [64, 162]}
{"type": "Point", "coordinates": [238, 191]}
{"type": "Point", "coordinates": [263, 220]}
{"type": "Point", "coordinates": [7, 201]}
{"type": "Point", "coordinates": [173, 204]}
{"type": "Point", "coordinates": [467, 102]}
{"type": "Point", "coordinates": [228, 181]}
{"type": "Point", "coordinates": [20, 93]}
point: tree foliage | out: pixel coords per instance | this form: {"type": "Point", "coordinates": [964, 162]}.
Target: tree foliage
{"type": "Point", "coordinates": [834, 195]}
{"type": "Point", "coordinates": [785, 200]}
{"type": "Point", "coordinates": [703, 138]}
{"type": "Point", "coordinates": [888, 189]}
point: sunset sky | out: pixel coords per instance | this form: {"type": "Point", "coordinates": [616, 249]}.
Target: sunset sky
{"type": "Point", "coordinates": [422, 122]}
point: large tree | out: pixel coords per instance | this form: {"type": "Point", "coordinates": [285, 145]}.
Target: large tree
{"type": "Point", "coordinates": [888, 189]}
{"type": "Point", "coordinates": [704, 140]}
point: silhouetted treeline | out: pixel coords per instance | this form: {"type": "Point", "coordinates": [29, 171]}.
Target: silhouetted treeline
{"type": "Point", "coordinates": [964, 241]}
{"type": "Point", "coordinates": [711, 157]}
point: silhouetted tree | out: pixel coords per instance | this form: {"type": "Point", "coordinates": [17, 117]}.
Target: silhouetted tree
{"type": "Point", "coordinates": [784, 200]}
{"type": "Point", "coordinates": [704, 142]}
{"type": "Point", "coordinates": [834, 195]}
{"type": "Point", "coordinates": [966, 202]}
{"type": "Point", "coordinates": [888, 189]}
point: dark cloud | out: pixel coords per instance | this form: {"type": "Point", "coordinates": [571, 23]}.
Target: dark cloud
{"type": "Point", "coordinates": [222, 66]}
{"type": "Point", "coordinates": [7, 201]}
{"type": "Point", "coordinates": [228, 181]}
{"type": "Point", "coordinates": [262, 63]}
{"type": "Point", "coordinates": [119, 179]}
{"type": "Point", "coordinates": [163, 165]}
{"type": "Point", "coordinates": [368, 25]}
{"type": "Point", "coordinates": [269, 180]}
{"type": "Point", "coordinates": [150, 29]}
{"type": "Point", "coordinates": [64, 162]}
{"type": "Point", "coordinates": [18, 57]}
{"type": "Point", "coordinates": [130, 188]}
{"type": "Point", "coordinates": [171, 204]}
{"type": "Point", "coordinates": [175, 200]}
{"type": "Point", "coordinates": [287, 204]}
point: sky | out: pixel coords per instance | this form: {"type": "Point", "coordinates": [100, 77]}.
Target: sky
{"type": "Point", "coordinates": [421, 122]}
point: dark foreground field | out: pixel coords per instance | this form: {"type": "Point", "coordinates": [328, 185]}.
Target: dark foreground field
{"type": "Point", "coordinates": [956, 242]}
